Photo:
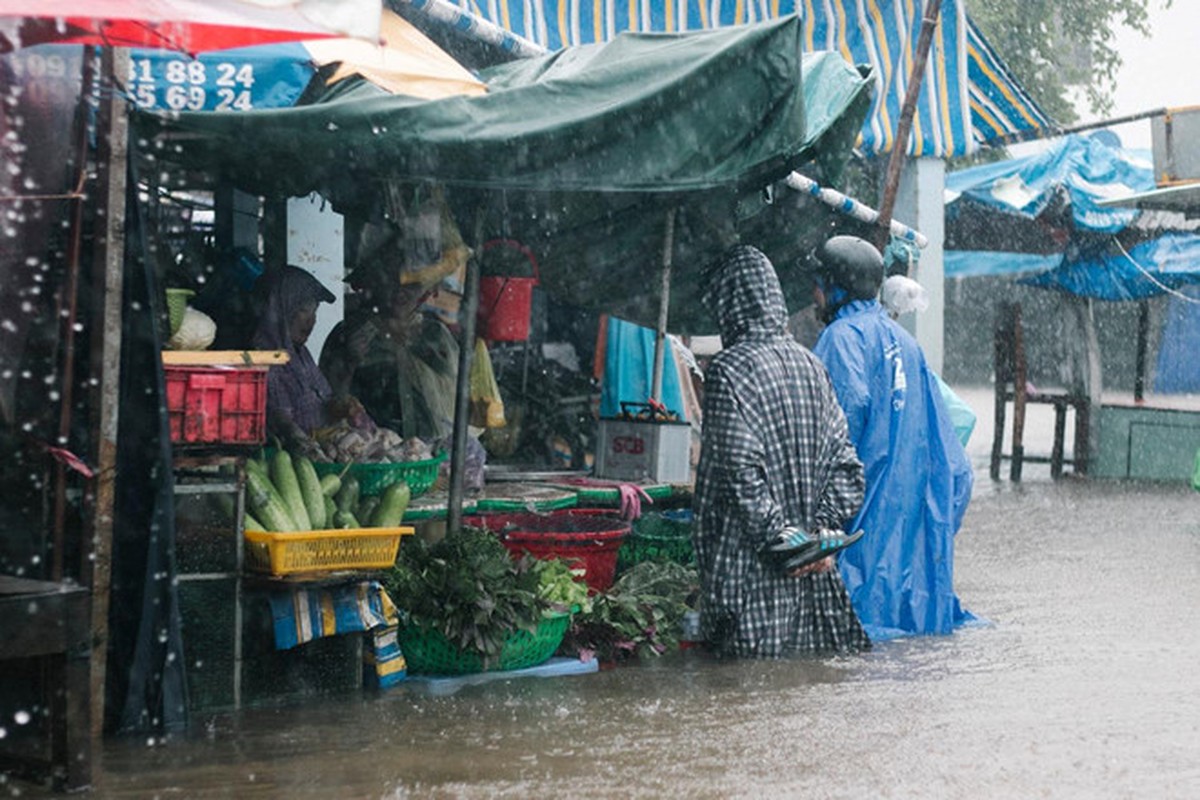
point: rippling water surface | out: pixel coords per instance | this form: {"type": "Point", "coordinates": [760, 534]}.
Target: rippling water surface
{"type": "Point", "coordinates": [1085, 684]}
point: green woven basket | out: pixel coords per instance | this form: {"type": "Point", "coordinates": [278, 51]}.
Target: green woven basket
{"type": "Point", "coordinates": [657, 537]}
{"type": "Point", "coordinates": [373, 479]}
{"type": "Point", "coordinates": [428, 652]}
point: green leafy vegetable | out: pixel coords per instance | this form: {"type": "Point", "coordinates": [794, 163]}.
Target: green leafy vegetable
{"type": "Point", "coordinates": [641, 615]}
{"type": "Point", "coordinates": [469, 588]}
{"type": "Point", "coordinates": [562, 587]}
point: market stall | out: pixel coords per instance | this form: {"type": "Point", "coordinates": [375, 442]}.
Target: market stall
{"type": "Point", "coordinates": [609, 176]}
{"type": "Point", "coordinates": [1054, 221]}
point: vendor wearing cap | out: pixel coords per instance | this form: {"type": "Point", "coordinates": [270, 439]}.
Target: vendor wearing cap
{"type": "Point", "coordinates": [918, 477]}
{"type": "Point", "coordinates": [297, 393]}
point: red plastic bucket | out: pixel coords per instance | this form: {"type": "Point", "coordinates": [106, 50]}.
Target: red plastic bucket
{"type": "Point", "coordinates": [505, 301]}
{"type": "Point", "coordinates": [583, 539]}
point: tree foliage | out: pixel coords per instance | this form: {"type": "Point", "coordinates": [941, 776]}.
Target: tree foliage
{"type": "Point", "coordinates": [1053, 46]}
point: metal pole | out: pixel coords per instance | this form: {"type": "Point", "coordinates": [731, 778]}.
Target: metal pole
{"type": "Point", "coordinates": [110, 269]}
{"type": "Point", "coordinates": [664, 307]}
{"type": "Point", "coordinates": [462, 391]}
{"type": "Point", "coordinates": [896, 161]}
{"type": "Point", "coordinates": [1048, 133]}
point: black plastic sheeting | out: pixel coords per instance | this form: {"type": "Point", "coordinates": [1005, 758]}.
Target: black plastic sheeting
{"type": "Point", "coordinates": [146, 689]}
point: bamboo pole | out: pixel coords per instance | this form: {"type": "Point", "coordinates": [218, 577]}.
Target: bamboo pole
{"type": "Point", "coordinates": [70, 298]}
{"type": "Point", "coordinates": [900, 147]}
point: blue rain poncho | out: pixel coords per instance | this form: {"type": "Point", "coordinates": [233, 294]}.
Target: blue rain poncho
{"type": "Point", "coordinates": [918, 476]}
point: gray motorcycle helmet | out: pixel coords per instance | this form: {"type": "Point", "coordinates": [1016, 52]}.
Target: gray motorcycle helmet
{"type": "Point", "coordinates": [852, 264]}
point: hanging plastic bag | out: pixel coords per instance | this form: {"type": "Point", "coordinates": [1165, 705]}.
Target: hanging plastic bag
{"type": "Point", "coordinates": [487, 407]}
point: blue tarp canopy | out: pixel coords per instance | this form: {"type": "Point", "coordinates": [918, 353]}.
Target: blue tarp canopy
{"type": "Point", "coordinates": [1154, 267]}
{"type": "Point", "coordinates": [967, 96]}
{"type": "Point", "coordinates": [1045, 216]}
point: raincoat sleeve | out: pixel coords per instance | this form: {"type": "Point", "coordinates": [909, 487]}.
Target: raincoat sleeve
{"type": "Point", "coordinates": [843, 358]}
{"type": "Point", "coordinates": [844, 488]}
{"type": "Point", "coordinates": [956, 462]}
{"type": "Point", "coordinates": [740, 459]}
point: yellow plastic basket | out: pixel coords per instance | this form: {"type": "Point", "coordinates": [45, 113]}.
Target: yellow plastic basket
{"type": "Point", "coordinates": [291, 552]}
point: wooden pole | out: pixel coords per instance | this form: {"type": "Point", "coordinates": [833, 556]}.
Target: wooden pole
{"type": "Point", "coordinates": [70, 299]}
{"type": "Point", "coordinates": [664, 307]}
{"type": "Point", "coordinates": [1143, 344]}
{"type": "Point", "coordinates": [462, 392]}
{"type": "Point", "coordinates": [900, 147]}
{"type": "Point", "coordinates": [109, 269]}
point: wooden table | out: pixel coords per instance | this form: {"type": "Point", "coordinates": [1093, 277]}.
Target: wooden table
{"type": "Point", "coordinates": [52, 621]}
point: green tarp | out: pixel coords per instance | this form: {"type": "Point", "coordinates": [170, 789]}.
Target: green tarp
{"type": "Point", "coordinates": [589, 146]}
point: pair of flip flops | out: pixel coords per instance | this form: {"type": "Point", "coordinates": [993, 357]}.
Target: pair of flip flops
{"type": "Point", "coordinates": [793, 548]}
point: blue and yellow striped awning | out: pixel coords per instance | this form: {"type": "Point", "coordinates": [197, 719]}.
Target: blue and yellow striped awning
{"type": "Point", "coordinates": [967, 97]}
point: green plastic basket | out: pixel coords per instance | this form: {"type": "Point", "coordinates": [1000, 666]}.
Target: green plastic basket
{"type": "Point", "coordinates": [177, 303]}
{"type": "Point", "coordinates": [428, 652]}
{"type": "Point", "coordinates": [373, 479]}
{"type": "Point", "coordinates": [656, 537]}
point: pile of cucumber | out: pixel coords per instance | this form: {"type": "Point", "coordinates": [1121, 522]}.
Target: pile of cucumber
{"type": "Point", "coordinates": [283, 493]}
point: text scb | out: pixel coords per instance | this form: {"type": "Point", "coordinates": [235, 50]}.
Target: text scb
{"type": "Point", "coordinates": [633, 445]}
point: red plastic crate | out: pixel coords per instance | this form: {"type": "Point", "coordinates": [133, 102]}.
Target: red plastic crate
{"type": "Point", "coordinates": [583, 538]}
{"type": "Point", "coordinates": [217, 405]}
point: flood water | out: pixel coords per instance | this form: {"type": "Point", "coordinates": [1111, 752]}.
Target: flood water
{"type": "Point", "coordinates": [1085, 684]}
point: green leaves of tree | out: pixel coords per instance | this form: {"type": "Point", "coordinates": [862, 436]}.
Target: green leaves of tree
{"type": "Point", "coordinates": [1052, 46]}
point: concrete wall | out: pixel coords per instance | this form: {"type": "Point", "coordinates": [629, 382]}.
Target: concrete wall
{"type": "Point", "coordinates": [316, 242]}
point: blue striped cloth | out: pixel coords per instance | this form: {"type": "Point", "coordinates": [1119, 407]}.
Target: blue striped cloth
{"type": "Point", "coordinates": [968, 96]}
{"type": "Point", "coordinates": [301, 615]}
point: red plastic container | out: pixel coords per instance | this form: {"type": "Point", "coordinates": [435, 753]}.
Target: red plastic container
{"type": "Point", "coordinates": [217, 405]}
{"type": "Point", "coordinates": [585, 539]}
{"type": "Point", "coordinates": [505, 301]}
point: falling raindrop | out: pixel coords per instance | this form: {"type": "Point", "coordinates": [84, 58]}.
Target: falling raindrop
{"type": "Point", "coordinates": [21, 717]}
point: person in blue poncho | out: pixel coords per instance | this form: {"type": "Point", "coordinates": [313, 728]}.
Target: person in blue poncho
{"type": "Point", "coordinates": [918, 477]}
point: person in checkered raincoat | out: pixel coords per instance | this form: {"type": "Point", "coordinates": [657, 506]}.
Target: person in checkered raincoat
{"type": "Point", "coordinates": [775, 453]}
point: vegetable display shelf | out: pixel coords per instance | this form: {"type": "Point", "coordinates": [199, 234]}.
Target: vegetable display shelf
{"type": "Point", "coordinates": [214, 555]}
{"type": "Point", "coordinates": [525, 497]}
{"type": "Point", "coordinates": [434, 506]}
{"type": "Point", "coordinates": [592, 495]}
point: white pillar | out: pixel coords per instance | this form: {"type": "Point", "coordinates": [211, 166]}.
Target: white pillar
{"type": "Point", "coordinates": [920, 204]}
{"type": "Point", "coordinates": [316, 236]}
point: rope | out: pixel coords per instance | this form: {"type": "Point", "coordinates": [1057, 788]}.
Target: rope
{"type": "Point", "coordinates": [1146, 274]}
